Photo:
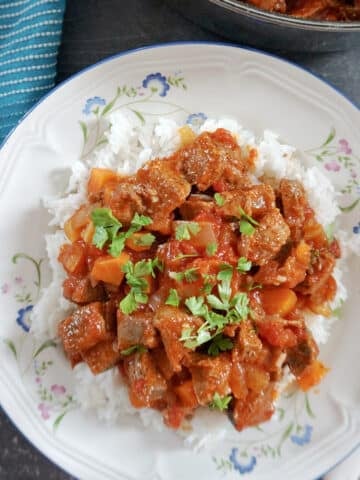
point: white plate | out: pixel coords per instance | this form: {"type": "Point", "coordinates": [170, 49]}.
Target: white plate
{"type": "Point", "coordinates": [312, 433]}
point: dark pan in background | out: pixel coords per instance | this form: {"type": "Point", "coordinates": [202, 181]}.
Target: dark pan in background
{"type": "Point", "coordinates": [272, 31]}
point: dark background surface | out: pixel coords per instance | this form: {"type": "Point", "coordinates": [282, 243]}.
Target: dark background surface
{"type": "Point", "coordinates": [93, 30]}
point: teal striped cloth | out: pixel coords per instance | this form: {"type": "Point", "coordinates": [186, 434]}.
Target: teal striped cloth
{"type": "Point", "coordinates": [30, 34]}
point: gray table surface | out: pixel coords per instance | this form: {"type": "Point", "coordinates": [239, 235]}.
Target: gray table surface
{"type": "Point", "coordinates": [93, 30]}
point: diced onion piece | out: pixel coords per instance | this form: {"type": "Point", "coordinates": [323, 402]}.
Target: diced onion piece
{"type": "Point", "coordinates": [88, 232]}
{"type": "Point", "coordinates": [109, 269]}
{"type": "Point", "coordinates": [75, 224]}
{"type": "Point", "coordinates": [73, 258]}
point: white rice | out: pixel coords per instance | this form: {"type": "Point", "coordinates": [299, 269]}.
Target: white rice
{"type": "Point", "coordinates": [129, 146]}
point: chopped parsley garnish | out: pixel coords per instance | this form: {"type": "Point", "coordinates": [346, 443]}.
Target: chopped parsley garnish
{"type": "Point", "coordinates": [254, 286]}
{"type": "Point", "coordinates": [173, 298]}
{"type": "Point", "coordinates": [209, 282]}
{"type": "Point", "coordinates": [107, 230]}
{"type": "Point", "coordinates": [246, 224]}
{"type": "Point", "coordinates": [206, 289]}
{"type": "Point", "coordinates": [140, 221]}
{"type": "Point", "coordinates": [145, 240]}
{"type": "Point", "coordinates": [233, 309]}
{"type": "Point", "coordinates": [219, 344]}
{"type": "Point", "coordinates": [186, 255]}
{"type": "Point", "coordinates": [219, 199]}
{"type": "Point", "coordinates": [220, 403]}
{"type": "Point", "coordinates": [133, 349]}
{"type": "Point", "coordinates": [196, 306]}
{"type": "Point", "coordinates": [134, 275]}
{"type": "Point", "coordinates": [243, 265]}
{"type": "Point", "coordinates": [189, 275]}
{"type": "Point", "coordinates": [106, 226]}
{"type": "Point", "coordinates": [211, 249]}
{"type": "Point", "coordinates": [186, 229]}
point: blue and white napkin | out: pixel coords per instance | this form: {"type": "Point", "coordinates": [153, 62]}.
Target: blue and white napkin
{"type": "Point", "coordinates": [30, 34]}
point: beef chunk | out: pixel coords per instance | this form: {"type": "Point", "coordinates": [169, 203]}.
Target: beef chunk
{"type": "Point", "coordinates": [171, 321]}
{"type": "Point", "coordinates": [83, 329]}
{"type": "Point", "coordinates": [210, 376]}
{"type": "Point", "coordinates": [269, 236]}
{"type": "Point", "coordinates": [103, 356]}
{"type": "Point", "coordinates": [256, 200]}
{"type": "Point", "coordinates": [164, 189]}
{"type": "Point", "coordinates": [80, 290]}
{"type": "Point", "coordinates": [254, 409]}
{"type": "Point", "coordinates": [302, 355]}
{"type": "Point", "coordinates": [294, 205]}
{"type": "Point", "coordinates": [136, 329]}
{"type": "Point", "coordinates": [147, 387]}
{"type": "Point", "coordinates": [319, 273]}
{"type": "Point", "coordinates": [124, 199]}
{"type": "Point", "coordinates": [195, 205]}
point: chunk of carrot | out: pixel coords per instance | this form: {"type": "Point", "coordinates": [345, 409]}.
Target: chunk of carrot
{"type": "Point", "coordinates": [186, 394]}
{"type": "Point", "coordinates": [312, 375]}
{"type": "Point", "coordinates": [98, 178]}
{"type": "Point", "coordinates": [109, 269]}
{"type": "Point", "coordinates": [278, 300]}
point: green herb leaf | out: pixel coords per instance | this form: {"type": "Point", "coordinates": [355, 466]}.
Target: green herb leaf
{"type": "Point", "coordinates": [133, 349]}
{"type": "Point", "coordinates": [186, 229]}
{"type": "Point", "coordinates": [246, 223]}
{"type": "Point", "coordinates": [219, 199]}
{"type": "Point", "coordinates": [128, 304]}
{"type": "Point", "coordinates": [145, 240]}
{"type": "Point", "coordinates": [103, 217]}
{"type": "Point", "coordinates": [216, 303]}
{"type": "Point", "coordinates": [189, 275]}
{"type": "Point", "coordinates": [226, 271]}
{"type": "Point", "coordinates": [140, 297]}
{"type": "Point", "coordinates": [211, 249]}
{"type": "Point", "coordinates": [246, 228]}
{"type": "Point", "coordinates": [248, 217]}
{"type": "Point", "coordinates": [134, 275]}
{"type": "Point", "coordinates": [240, 301]}
{"type": "Point", "coordinates": [100, 237]}
{"type": "Point", "coordinates": [254, 286]}
{"type": "Point", "coordinates": [196, 306]}
{"type": "Point", "coordinates": [117, 245]}
{"type": "Point", "coordinates": [220, 403]}
{"type": "Point", "coordinates": [243, 265]}
{"type": "Point", "coordinates": [173, 298]}
{"type": "Point", "coordinates": [106, 226]}
{"type": "Point", "coordinates": [140, 221]}
{"type": "Point", "coordinates": [186, 255]}
{"type": "Point", "coordinates": [207, 288]}
{"type": "Point", "coordinates": [219, 344]}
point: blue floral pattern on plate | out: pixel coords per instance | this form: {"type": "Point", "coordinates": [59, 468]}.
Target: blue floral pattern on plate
{"type": "Point", "coordinates": [22, 318]}
{"type": "Point", "coordinates": [157, 83]}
